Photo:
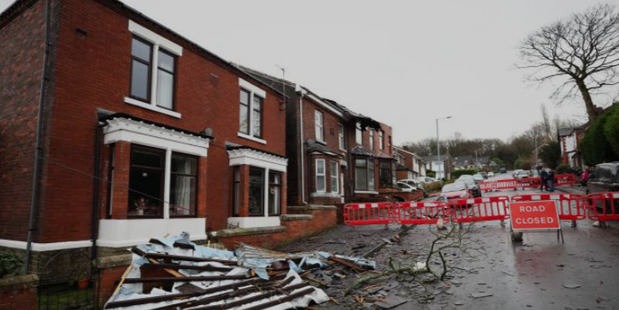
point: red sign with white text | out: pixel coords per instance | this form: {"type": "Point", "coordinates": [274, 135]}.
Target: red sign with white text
{"type": "Point", "coordinates": [532, 215]}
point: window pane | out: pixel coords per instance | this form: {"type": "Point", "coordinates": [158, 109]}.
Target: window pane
{"type": "Point", "coordinates": [165, 89]}
{"type": "Point", "coordinates": [256, 191]}
{"type": "Point", "coordinates": [274, 192]}
{"type": "Point", "coordinates": [371, 175]}
{"type": "Point", "coordinates": [244, 97]}
{"type": "Point", "coordinates": [146, 183]}
{"type": "Point", "coordinates": [256, 119]}
{"type": "Point", "coordinates": [140, 50]}
{"type": "Point", "coordinates": [320, 166]}
{"type": "Point", "coordinates": [139, 80]}
{"type": "Point", "coordinates": [183, 164]}
{"type": "Point", "coordinates": [166, 61]}
{"type": "Point", "coordinates": [182, 195]}
{"type": "Point", "coordinates": [257, 103]}
{"type": "Point", "coordinates": [341, 136]}
{"type": "Point", "coordinates": [334, 176]}
{"type": "Point", "coordinates": [358, 135]}
{"type": "Point", "coordinates": [360, 174]}
{"type": "Point", "coordinates": [237, 191]}
{"type": "Point", "coordinates": [244, 119]}
{"type": "Point", "coordinates": [385, 174]}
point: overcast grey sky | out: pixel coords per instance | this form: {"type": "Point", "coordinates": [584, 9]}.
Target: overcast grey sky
{"type": "Point", "coordinates": [401, 62]}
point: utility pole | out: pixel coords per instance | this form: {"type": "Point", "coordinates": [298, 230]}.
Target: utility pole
{"type": "Point", "coordinates": [438, 146]}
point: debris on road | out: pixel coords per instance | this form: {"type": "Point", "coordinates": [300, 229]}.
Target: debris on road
{"type": "Point", "coordinates": [175, 273]}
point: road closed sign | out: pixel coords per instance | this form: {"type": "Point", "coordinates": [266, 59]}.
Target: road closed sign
{"type": "Point", "coordinates": [534, 215]}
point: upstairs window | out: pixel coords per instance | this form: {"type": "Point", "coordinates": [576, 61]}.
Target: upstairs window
{"type": "Point", "coordinates": [319, 126]}
{"type": "Point", "coordinates": [251, 107]}
{"type": "Point", "coordinates": [334, 176]}
{"type": "Point", "coordinates": [371, 134]}
{"type": "Point", "coordinates": [153, 71]}
{"type": "Point", "coordinates": [358, 134]}
{"type": "Point", "coordinates": [381, 140]}
{"type": "Point", "coordinates": [341, 136]}
{"type": "Point", "coordinates": [140, 69]}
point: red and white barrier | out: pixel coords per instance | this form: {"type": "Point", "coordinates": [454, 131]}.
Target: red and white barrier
{"type": "Point", "coordinates": [603, 206]}
{"type": "Point", "coordinates": [479, 209]}
{"type": "Point", "coordinates": [368, 213]}
{"type": "Point", "coordinates": [419, 213]}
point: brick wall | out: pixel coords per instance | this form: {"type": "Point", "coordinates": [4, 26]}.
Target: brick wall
{"type": "Point", "coordinates": [21, 63]}
{"type": "Point", "coordinates": [93, 71]}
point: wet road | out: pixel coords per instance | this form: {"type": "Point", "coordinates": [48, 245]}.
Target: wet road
{"type": "Point", "coordinates": [493, 272]}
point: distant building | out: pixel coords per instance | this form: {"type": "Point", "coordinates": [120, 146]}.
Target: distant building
{"type": "Point", "coordinates": [410, 165]}
{"type": "Point", "coordinates": [569, 139]}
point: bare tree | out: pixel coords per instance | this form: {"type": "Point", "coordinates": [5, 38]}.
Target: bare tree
{"type": "Point", "coordinates": [581, 51]}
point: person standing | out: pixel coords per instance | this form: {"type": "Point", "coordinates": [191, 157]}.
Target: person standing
{"type": "Point", "coordinates": [543, 179]}
{"type": "Point", "coordinates": [551, 181]}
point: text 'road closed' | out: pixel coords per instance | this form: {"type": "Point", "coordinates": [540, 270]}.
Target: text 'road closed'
{"type": "Point", "coordinates": [534, 215]}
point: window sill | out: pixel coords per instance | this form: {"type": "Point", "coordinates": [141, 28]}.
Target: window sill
{"type": "Point", "coordinates": [148, 106]}
{"type": "Point", "coordinates": [367, 192]}
{"type": "Point", "coordinates": [326, 195]}
{"type": "Point", "coordinates": [248, 137]}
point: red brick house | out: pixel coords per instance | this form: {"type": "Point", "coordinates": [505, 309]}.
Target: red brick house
{"type": "Point", "coordinates": [410, 165]}
{"type": "Point", "coordinates": [139, 132]}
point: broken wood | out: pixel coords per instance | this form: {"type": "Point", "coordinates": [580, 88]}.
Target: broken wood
{"type": "Point", "coordinates": [180, 257]}
{"type": "Point", "coordinates": [346, 263]}
{"type": "Point", "coordinates": [185, 279]}
{"type": "Point", "coordinates": [188, 267]}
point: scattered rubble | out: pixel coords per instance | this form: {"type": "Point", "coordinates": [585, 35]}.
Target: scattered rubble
{"type": "Point", "coordinates": [175, 273]}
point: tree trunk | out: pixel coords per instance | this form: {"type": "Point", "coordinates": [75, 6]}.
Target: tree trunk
{"type": "Point", "coordinates": [586, 96]}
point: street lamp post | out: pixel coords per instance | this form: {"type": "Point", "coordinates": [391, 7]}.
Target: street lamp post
{"type": "Point", "coordinates": [438, 146]}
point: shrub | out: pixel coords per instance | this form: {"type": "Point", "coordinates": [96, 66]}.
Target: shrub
{"type": "Point", "coordinates": [430, 173]}
{"type": "Point", "coordinates": [561, 169]}
{"type": "Point", "coordinates": [433, 186]}
{"type": "Point", "coordinates": [611, 129]}
{"type": "Point", "coordinates": [9, 264]}
{"type": "Point", "coordinates": [551, 154]}
{"type": "Point", "coordinates": [594, 146]}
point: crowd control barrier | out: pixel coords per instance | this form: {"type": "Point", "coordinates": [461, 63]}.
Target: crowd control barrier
{"type": "Point", "coordinates": [419, 213]}
{"type": "Point", "coordinates": [533, 182]}
{"type": "Point", "coordinates": [375, 213]}
{"type": "Point", "coordinates": [479, 209]}
{"type": "Point", "coordinates": [603, 206]}
{"type": "Point", "coordinates": [571, 206]}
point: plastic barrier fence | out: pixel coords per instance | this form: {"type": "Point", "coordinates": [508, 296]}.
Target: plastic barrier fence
{"type": "Point", "coordinates": [479, 209]}
{"type": "Point", "coordinates": [533, 182]}
{"type": "Point", "coordinates": [571, 206]}
{"type": "Point", "coordinates": [419, 213]}
{"type": "Point", "coordinates": [603, 206]}
{"type": "Point", "coordinates": [368, 213]}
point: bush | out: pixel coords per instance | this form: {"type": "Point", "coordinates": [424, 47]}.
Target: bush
{"type": "Point", "coordinates": [594, 146]}
{"type": "Point", "coordinates": [457, 173]}
{"type": "Point", "coordinates": [550, 154]}
{"type": "Point", "coordinates": [433, 186]}
{"type": "Point", "coordinates": [430, 173]}
{"type": "Point", "coordinates": [562, 169]}
{"type": "Point", "coordinates": [611, 129]}
{"type": "Point", "coordinates": [9, 264]}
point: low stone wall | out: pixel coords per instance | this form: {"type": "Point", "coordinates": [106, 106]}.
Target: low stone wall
{"type": "Point", "coordinates": [19, 292]}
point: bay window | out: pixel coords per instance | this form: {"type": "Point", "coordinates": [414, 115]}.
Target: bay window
{"type": "Point", "coordinates": [146, 179]}
{"type": "Point", "coordinates": [256, 191]}
{"type": "Point", "coordinates": [236, 191]}
{"type": "Point", "coordinates": [334, 176]}
{"type": "Point", "coordinates": [381, 140]}
{"type": "Point", "coordinates": [386, 173]}
{"type": "Point", "coordinates": [275, 192]}
{"type": "Point", "coordinates": [320, 176]}
{"type": "Point", "coordinates": [183, 181]}
{"type": "Point", "coordinates": [364, 174]}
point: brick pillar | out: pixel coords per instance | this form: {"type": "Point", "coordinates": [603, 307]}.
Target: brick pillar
{"type": "Point", "coordinates": [284, 193]}
{"type": "Point", "coordinates": [244, 186]}
{"type": "Point", "coordinates": [202, 175]}
{"type": "Point", "coordinates": [120, 188]}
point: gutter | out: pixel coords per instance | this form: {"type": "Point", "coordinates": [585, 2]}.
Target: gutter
{"type": "Point", "coordinates": [94, 224]}
{"type": "Point", "coordinates": [302, 165]}
{"type": "Point", "coordinates": [36, 174]}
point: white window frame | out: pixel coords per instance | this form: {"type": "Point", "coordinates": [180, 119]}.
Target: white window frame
{"type": "Point", "coordinates": [334, 176]}
{"type": "Point", "coordinates": [340, 137]}
{"type": "Point", "coordinates": [258, 92]}
{"type": "Point", "coordinates": [381, 142]}
{"type": "Point", "coordinates": [157, 41]}
{"type": "Point", "coordinates": [323, 175]}
{"type": "Point", "coordinates": [319, 126]}
{"type": "Point", "coordinates": [371, 137]}
{"type": "Point", "coordinates": [358, 134]}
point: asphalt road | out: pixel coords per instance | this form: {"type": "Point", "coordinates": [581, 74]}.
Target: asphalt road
{"type": "Point", "coordinates": [493, 272]}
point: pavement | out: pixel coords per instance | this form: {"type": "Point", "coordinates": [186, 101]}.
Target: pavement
{"type": "Point", "coordinates": [488, 272]}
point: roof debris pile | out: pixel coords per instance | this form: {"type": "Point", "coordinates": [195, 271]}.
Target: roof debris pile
{"type": "Point", "coordinates": [175, 273]}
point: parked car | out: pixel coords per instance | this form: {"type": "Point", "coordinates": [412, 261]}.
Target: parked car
{"type": "Point", "coordinates": [521, 174]}
{"type": "Point", "coordinates": [455, 190]}
{"type": "Point", "coordinates": [503, 170]}
{"type": "Point", "coordinates": [478, 177]}
{"type": "Point", "coordinates": [426, 179]}
{"type": "Point", "coordinates": [405, 187]}
{"type": "Point", "coordinates": [604, 178]}
{"type": "Point", "coordinates": [471, 184]}
{"type": "Point", "coordinates": [490, 174]}
{"type": "Point", "coordinates": [414, 183]}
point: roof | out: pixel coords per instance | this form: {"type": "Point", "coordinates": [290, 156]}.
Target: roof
{"type": "Point", "coordinates": [400, 167]}
{"type": "Point", "coordinates": [313, 146]}
{"type": "Point", "coordinates": [19, 5]}
{"type": "Point", "coordinates": [245, 147]}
